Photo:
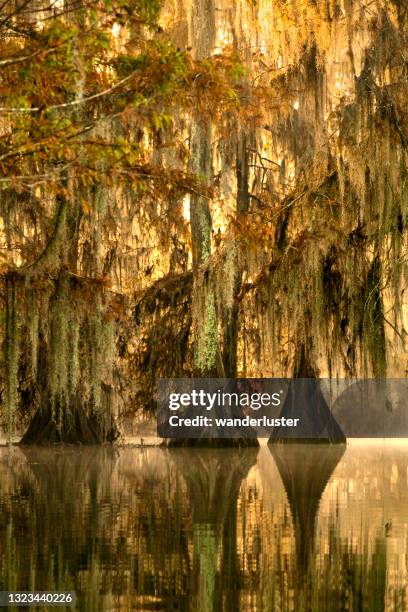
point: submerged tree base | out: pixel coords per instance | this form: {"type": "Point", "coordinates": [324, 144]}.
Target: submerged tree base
{"type": "Point", "coordinates": [318, 426]}
{"type": "Point", "coordinates": [305, 400]}
{"type": "Point", "coordinates": [76, 428]}
{"type": "Point", "coordinates": [210, 443]}
{"type": "Point", "coordinates": [311, 441]}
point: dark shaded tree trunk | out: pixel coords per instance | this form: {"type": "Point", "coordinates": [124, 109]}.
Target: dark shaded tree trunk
{"type": "Point", "coordinates": [76, 426]}
{"type": "Point", "coordinates": [70, 418]}
{"type": "Point", "coordinates": [211, 442]}
{"type": "Point", "coordinates": [231, 322]}
{"type": "Point", "coordinates": [305, 400]}
{"type": "Point", "coordinates": [11, 354]}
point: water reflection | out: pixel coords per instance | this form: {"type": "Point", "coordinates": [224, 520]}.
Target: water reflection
{"type": "Point", "coordinates": [295, 528]}
{"type": "Point", "coordinates": [305, 470]}
{"type": "Point", "coordinates": [213, 479]}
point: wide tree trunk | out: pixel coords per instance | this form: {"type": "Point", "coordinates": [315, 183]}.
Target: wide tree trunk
{"type": "Point", "coordinates": [76, 428]}
{"type": "Point", "coordinates": [77, 423]}
{"type": "Point", "coordinates": [305, 400]}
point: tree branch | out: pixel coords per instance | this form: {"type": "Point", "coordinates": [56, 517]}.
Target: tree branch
{"type": "Point", "coordinates": [76, 102]}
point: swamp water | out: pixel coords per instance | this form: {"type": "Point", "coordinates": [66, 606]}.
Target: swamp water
{"type": "Point", "coordinates": [297, 527]}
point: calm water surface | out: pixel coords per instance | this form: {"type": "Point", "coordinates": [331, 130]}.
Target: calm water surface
{"type": "Point", "coordinates": [299, 528]}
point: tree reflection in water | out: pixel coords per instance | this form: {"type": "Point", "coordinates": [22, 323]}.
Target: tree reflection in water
{"type": "Point", "coordinates": [207, 530]}
{"type": "Point", "coordinates": [214, 478]}
{"type": "Point", "coordinates": [305, 470]}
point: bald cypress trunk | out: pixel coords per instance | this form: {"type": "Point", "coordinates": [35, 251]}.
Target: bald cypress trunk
{"type": "Point", "coordinates": [231, 316]}
{"type": "Point", "coordinates": [207, 360]}
{"type": "Point", "coordinates": [304, 400]}
{"type": "Point", "coordinates": [78, 423]}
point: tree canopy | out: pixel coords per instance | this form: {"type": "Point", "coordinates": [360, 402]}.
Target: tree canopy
{"type": "Point", "coordinates": [188, 188]}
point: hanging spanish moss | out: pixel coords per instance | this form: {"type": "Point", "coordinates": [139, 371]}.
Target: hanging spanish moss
{"type": "Point", "coordinates": [11, 354]}
{"type": "Point", "coordinates": [239, 194]}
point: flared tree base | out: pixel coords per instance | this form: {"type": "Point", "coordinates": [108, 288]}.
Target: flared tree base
{"type": "Point", "coordinates": [323, 441]}
{"type": "Point", "coordinates": [76, 427]}
{"type": "Point", "coordinates": [210, 443]}
{"type": "Point", "coordinates": [306, 403]}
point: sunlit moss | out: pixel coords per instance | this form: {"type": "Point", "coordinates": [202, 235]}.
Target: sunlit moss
{"type": "Point", "coordinates": [11, 355]}
{"type": "Point", "coordinates": [206, 331]}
